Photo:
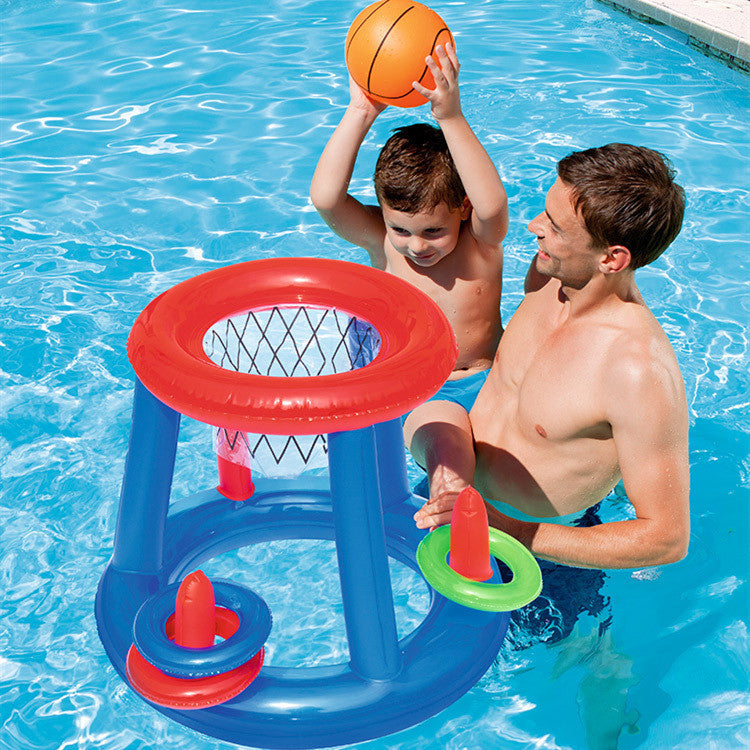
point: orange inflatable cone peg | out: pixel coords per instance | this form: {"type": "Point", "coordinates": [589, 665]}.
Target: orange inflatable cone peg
{"type": "Point", "coordinates": [470, 537]}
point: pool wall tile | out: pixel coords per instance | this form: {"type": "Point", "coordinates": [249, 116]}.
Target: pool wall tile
{"type": "Point", "coordinates": [682, 23]}
{"type": "Point", "coordinates": [657, 13]}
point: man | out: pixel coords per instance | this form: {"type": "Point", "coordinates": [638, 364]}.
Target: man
{"type": "Point", "coordinates": [584, 389]}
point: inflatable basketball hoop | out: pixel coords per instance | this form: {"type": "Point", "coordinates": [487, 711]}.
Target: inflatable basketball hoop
{"type": "Point", "coordinates": [306, 348]}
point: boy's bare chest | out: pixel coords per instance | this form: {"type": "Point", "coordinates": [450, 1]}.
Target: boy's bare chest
{"type": "Point", "coordinates": [463, 290]}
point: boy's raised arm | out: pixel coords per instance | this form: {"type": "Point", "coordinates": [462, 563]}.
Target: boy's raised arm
{"type": "Point", "coordinates": [484, 188]}
{"type": "Point", "coordinates": [359, 224]}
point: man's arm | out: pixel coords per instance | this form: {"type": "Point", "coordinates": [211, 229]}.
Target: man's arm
{"type": "Point", "coordinates": [440, 439]}
{"type": "Point", "coordinates": [648, 414]}
{"type": "Point", "coordinates": [359, 224]}
{"type": "Point", "coordinates": [484, 188]}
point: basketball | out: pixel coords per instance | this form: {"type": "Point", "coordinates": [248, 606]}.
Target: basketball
{"type": "Point", "coordinates": [386, 47]}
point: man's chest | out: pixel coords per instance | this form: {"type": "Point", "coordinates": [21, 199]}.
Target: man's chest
{"type": "Point", "coordinates": [550, 374]}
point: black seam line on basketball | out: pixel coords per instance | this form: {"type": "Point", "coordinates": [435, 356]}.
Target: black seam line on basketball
{"type": "Point", "coordinates": [432, 49]}
{"type": "Point", "coordinates": [411, 90]}
{"type": "Point", "coordinates": [382, 42]}
{"type": "Point", "coordinates": [364, 21]}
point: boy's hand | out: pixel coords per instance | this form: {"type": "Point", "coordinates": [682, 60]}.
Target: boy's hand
{"type": "Point", "coordinates": [445, 98]}
{"type": "Point", "coordinates": [360, 100]}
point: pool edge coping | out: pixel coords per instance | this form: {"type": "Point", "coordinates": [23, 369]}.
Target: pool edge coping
{"type": "Point", "coordinates": [730, 49]}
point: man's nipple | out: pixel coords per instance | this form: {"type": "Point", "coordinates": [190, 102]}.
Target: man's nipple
{"type": "Point", "coordinates": [540, 430]}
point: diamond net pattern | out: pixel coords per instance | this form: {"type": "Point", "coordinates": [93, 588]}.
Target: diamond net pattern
{"type": "Point", "coordinates": [286, 342]}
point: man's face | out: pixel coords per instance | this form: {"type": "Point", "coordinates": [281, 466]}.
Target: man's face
{"type": "Point", "coordinates": [566, 251]}
{"type": "Point", "coordinates": [426, 237]}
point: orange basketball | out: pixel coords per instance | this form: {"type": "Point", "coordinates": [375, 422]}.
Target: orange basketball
{"type": "Point", "coordinates": [386, 47]}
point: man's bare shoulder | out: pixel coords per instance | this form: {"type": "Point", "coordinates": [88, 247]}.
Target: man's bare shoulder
{"type": "Point", "coordinates": [640, 358]}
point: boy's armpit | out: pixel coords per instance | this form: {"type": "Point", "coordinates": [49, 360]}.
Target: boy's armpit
{"type": "Point", "coordinates": [360, 224]}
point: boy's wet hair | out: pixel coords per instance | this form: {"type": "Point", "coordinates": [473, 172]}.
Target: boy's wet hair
{"type": "Point", "coordinates": [626, 196]}
{"type": "Point", "coordinates": [415, 171]}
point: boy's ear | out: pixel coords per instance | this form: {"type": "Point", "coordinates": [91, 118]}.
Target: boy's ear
{"type": "Point", "coordinates": [465, 209]}
{"type": "Point", "coordinates": [615, 258]}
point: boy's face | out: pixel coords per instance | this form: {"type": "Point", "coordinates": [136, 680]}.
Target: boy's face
{"type": "Point", "coordinates": [426, 237]}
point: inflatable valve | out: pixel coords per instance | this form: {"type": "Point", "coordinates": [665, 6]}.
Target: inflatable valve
{"type": "Point", "coordinates": [470, 537]}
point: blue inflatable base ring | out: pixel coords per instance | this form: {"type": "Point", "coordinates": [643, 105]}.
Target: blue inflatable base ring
{"type": "Point", "coordinates": [319, 706]}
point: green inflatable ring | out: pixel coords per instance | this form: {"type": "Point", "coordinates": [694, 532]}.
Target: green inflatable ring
{"type": "Point", "coordinates": [491, 597]}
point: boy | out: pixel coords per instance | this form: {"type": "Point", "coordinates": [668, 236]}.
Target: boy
{"type": "Point", "coordinates": [440, 222]}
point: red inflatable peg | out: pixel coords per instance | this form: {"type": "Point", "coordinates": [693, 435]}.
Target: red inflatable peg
{"type": "Point", "coordinates": [234, 457]}
{"type": "Point", "coordinates": [195, 612]}
{"type": "Point", "coordinates": [235, 480]}
{"type": "Point", "coordinates": [470, 537]}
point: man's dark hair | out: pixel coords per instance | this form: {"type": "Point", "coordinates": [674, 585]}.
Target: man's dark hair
{"type": "Point", "coordinates": [627, 196]}
{"type": "Point", "coordinates": [415, 171]}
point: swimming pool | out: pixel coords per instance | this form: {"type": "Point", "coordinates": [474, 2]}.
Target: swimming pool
{"type": "Point", "coordinates": [147, 142]}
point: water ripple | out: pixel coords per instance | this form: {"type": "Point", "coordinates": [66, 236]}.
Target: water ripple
{"type": "Point", "coordinates": [145, 142]}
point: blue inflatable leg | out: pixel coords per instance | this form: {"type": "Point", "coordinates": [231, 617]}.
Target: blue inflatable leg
{"type": "Point", "coordinates": [363, 562]}
{"type": "Point", "coordinates": [144, 499]}
{"type": "Point", "coordinates": [392, 478]}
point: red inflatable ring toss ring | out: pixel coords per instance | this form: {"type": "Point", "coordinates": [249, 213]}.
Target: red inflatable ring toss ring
{"type": "Point", "coordinates": [178, 692]}
{"type": "Point", "coordinates": [490, 597]}
{"type": "Point", "coordinates": [417, 353]}
{"type": "Point", "coordinates": [166, 671]}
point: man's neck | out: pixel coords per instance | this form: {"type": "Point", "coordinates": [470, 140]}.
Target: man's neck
{"type": "Point", "coordinates": [602, 291]}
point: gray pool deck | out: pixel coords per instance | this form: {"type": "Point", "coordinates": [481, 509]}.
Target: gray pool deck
{"type": "Point", "coordinates": [718, 28]}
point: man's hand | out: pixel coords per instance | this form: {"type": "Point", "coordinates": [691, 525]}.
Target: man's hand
{"type": "Point", "coordinates": [439, 437]}
{"type": "Point", "coordinates": [445, 98]}
{"type": "Point", "coordinates": [437, 510]}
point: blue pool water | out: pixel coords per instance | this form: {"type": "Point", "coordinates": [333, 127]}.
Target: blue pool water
{"type": "Point", "coordinates": [146, 142]}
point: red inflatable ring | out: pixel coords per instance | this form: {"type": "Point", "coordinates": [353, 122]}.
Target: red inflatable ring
{"type": "Point", "coordinates": [187, 694]}
{"type": "Point", "coordinates": [417, 353]}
